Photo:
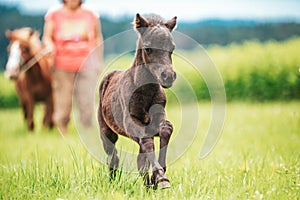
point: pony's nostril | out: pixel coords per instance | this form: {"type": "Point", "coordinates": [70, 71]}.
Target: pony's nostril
{"type": "Point", "coordinates": [168, 76]}
{"type": "Point", "coordinates": [163, 75]}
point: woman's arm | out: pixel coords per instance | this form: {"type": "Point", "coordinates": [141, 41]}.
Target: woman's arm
{"type": "Point", "coordinates": [48, 42]}
{"type": "Point", "coordinates": [99, 42]}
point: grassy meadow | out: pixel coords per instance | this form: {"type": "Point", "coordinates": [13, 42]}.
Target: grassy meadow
{"type": "Point", "coordinates": [256, 157]}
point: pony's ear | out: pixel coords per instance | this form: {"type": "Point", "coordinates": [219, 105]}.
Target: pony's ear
{"type": "Point", "coordinates": [8, 34]}
{"type": "Point", "coordinates": [37, 33]}
{"type": "Point", "coordinates": [140, 23]}
{"type": "Point", "coordinates": [171, 23]}
{"type": "Point", "coordinates": [31, 32]}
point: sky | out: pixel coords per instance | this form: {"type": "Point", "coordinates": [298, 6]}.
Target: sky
{"type": "Point", "coordinates": [186, 10]}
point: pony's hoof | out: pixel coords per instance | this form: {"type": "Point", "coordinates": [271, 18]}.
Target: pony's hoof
{"type": "Point", "coordinates": [160, 183]}
{"type": "Point", "coordinates": [163, 185]}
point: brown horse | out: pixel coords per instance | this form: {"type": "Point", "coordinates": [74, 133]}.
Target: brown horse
{"type": "Point", "coordinates": [132, 102]}
{"type": "Point", "coordinates": [29, 68]}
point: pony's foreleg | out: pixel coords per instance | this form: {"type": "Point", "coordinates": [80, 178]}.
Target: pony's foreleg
{"type": "Point", "coordinates": [165, 132]}
{"type": "Point", "coordinates": [143, 167]}
{"type": "Point", "coordinates": [158, 177]}
{"type": "Point", "coordinates": [48, 121]}
{"type": "Point", "coordinates": [159, 127]}
{"type": "Point", "coordinates": [27, 104]}
{"type": "Point", "coordinates": [29, 110]}
{"type": "Point", "coordinates": [24, 109]}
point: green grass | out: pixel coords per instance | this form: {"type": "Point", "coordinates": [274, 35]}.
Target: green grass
{"type": "Point", "coordinates": [257, 157]}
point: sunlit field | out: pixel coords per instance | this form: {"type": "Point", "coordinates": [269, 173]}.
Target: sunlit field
{"type": "Point", "coordinates": [256, 157]}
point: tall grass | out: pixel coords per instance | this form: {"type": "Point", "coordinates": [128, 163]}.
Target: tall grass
{"type": "Point", "coordinates": [256, 157]}
{"type": "Point", "coordinates": [260, 71]}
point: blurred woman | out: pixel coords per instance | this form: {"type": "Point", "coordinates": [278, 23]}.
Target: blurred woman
{"type": "Point", "coordinates": [71, 32]}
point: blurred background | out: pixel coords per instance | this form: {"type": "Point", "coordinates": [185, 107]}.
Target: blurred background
{"type": "Point", "coordinates": [255, 47]}
{"type": "Point", "coordinates": [254, 44]}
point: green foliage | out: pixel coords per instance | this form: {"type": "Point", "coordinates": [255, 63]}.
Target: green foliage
{"type": "Point", "coordinates": [8, 96]}
{"type": "Point", "coordinates": [224, 32]}
{"type": "Point", "coordinates": [207, 32]}
{"type": "Point", "coordinates": [259, 71]}
{"type": "Point", "coordinates": [250, 71]}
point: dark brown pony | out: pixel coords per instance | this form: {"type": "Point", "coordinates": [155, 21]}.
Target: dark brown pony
{"type": "Point", "coordinates": [132, 102]}
{"type": "Point", "coordinates": [29, 68]}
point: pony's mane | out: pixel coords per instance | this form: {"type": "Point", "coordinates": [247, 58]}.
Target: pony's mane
{"type": "Point", "coordinates": [154, 19]}
{"type": "Point", "coordinates": [23, 35]}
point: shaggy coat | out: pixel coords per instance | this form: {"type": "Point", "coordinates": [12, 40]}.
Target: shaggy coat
{"type": "Point", "coordinates": [34, 84]}
{"type": "Point", "coordinates": [132, 102]}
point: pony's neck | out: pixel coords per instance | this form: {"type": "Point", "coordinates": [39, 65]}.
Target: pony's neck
{"type": "Point", "coordinates": [138, 60]}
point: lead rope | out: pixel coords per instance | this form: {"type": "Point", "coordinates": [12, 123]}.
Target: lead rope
{"type": "Point", "coordinates": [34, 60]}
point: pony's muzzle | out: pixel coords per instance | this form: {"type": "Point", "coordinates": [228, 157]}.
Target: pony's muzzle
{"type": "Point", "coordinates": [168, 77]}
{"type": "Point", "coordinates": [11, 74]}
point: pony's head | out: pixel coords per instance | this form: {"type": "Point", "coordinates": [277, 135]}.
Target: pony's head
{"type": "Point", "coordinates": [156, 46]}
{"type": "Point", "coordinates": [24, 43]}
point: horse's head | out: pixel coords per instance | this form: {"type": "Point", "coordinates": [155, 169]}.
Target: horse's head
{"type": "Point", "coordinates": [24, 43]}
{"type": "Point", "coordinates": [156, 46]}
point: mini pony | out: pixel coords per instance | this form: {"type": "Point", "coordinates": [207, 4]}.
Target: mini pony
{"type": "Point", "coordinates": [132, 102]}
{"type": "Point", "coordinates": [29, 68]}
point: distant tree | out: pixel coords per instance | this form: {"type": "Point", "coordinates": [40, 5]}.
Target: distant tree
{"type": "Point", "coordinates": [214, 31]}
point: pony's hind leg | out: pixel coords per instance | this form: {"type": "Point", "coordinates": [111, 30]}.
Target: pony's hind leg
{"type": "Point", "coordinates": [109, 138]}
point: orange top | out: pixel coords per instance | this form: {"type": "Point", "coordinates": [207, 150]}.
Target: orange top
{"type": "Point", "coordinates": [73, 36]}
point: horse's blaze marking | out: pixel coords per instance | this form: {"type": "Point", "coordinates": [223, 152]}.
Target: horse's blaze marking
{"type": "Point", "coordinates": [14, 58]}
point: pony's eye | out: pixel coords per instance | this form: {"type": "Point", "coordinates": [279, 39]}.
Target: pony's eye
{"type": "Point", "coordinates": [26, 50]}
{"type": "Point", "coordinates": [147, 50]}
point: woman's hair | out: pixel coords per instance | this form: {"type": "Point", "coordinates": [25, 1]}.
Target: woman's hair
{"type": "Point", "coordinates": [63, 1]}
